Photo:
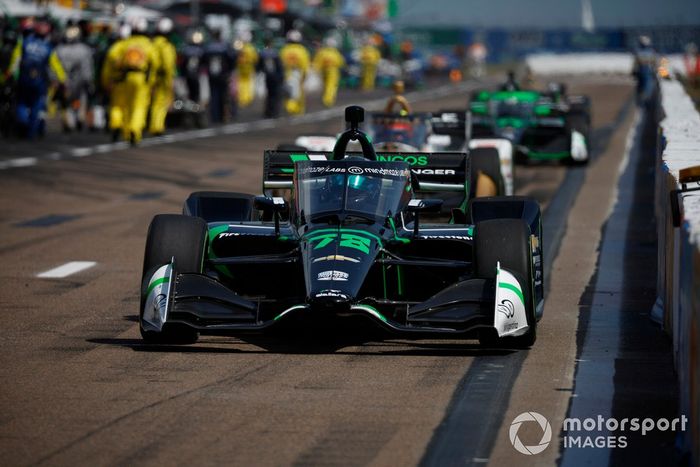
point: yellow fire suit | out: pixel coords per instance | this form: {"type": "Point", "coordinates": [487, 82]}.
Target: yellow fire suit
{"type": "Point", "coordinates": [328, 62]}
{"type": "Point", "coordinates": [163, 84]}
{"type": "Point", "coordinates": [369, 58]}
{"type": "Point", "coordinates": [247, 61]}
{"type": "Point", "coordinates": [130, 70]}
{"type": "Point", "coordinates": [295, 60]}
{"type": "Point", "coordinates": [113, 82]}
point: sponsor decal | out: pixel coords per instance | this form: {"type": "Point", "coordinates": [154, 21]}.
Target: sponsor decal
{"type": "Point", "coordinates": [333, 276]}
{"type": "Point", "coordinates": [347, 240]}
{"type": "Point", "coordinates": [434, 171]}
{"type": "Point", "coordinates": [160, 302]}
{"type": "Point", "coordinates": [336, 258]}
{"type": "Point", "coordinates": [447, 237]}
{"type": "Point", "coordinates": [331, 293]}
{"type": "Point", "coordinates": [245, 234]}
{"type": "Point", "coordinates": [327, 169]}
{"type": "Point", "coordinates": [507, 308]}
{"type": "Point", "coordinates": [411, 160]}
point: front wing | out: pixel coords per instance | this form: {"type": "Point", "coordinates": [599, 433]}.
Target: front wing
{"type": "Point", "coordinates": [205, 304]}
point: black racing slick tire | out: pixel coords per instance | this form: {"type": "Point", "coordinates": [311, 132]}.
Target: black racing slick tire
{"type": "Point", "coordinates": [486, 161]}
{"type": "Point", "coordinates": [507, 241]}
{"type": "Point", "coordinates": [183, 238]}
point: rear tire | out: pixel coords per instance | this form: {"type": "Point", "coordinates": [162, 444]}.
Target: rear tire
{"type": "Point", "coordinates": [507, 241]}
{"type": "Point", "coordinates": [486, 161]}
{"type": "Point", "coordinates": [181, 237]}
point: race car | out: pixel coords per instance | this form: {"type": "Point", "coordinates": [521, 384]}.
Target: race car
{"type": "Point", "coordinates": [541, 125]}
{"type": "Point", "coordinates": [400, 130]}
{"type": "Point", "coordinates": [353, 243]}
{"type": "Point", "coordinates": [451, 131]}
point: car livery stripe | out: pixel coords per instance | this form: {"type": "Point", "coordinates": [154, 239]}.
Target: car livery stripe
{"type": "Point", "coordinates": [295, 307]}
{"type": "Point", "coordinates": [298, 157]}
{"type": "Point", "coordinates": [213, 233]}
{"type": "Point", "coordinates": [396, 237]}
{"type": "Point", "coordinates": [514, 289]}
{"type": "Point", "coordinates": [156, 283]}
{"type": "Point", "coordinates": [371, 310]}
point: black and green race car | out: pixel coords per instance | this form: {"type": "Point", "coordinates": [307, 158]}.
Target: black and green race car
{"type": "Point", "coordinates": [541, 125]}
{"type": "Point", "coordinates": [358, 238]}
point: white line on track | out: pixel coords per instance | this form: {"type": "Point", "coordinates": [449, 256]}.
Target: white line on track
{"type": "Point", "coordinates": [19, 162]}
{"type": "Point", "coordinates": [66, 270]}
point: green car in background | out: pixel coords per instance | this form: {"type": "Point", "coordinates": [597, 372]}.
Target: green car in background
{"type": "Point", "coordinates": [541, 125]}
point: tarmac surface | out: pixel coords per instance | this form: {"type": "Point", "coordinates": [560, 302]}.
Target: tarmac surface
{"type": "Point", "coordinates": [78, 386]}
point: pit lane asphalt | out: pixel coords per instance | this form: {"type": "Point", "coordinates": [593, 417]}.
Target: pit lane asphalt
{"type": "Point", "coordinates": [78, 386]}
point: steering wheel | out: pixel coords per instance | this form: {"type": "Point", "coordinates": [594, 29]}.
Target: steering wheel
{"type": "Point", "coordinates": [354, 115]}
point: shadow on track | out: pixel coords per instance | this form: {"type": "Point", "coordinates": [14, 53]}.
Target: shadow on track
{"type": "Point", "coordinates": [296, 345]}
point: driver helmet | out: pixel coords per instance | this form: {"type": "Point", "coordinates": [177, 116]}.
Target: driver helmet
{"type": "Point", "coordinates": [165, 26]}
{"type": "Point", "coordinates": [124, 31]}
{"type": "Point", "coordinates": [294, 36]}
{"type": "Point", "coordinates": [139, 25]}
{"type": "Point", "coordinates": [42, 28]}
{"type": "Point", "coordinates": [196, 37]}
{"type": "Point", "coordinates": [71, 34]}
{"type": "Point", "coordinates": [644, 41]}
{"type": "Point", "coordinates": [330, 42]}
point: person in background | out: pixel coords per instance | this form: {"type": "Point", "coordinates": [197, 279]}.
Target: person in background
{"type": "Point", "coordinates": [99, 41]}
{"type": "Point", "coordinates": [644, 70]}
{"type": "Point", "coordinates": [35, 59]}
{"type": "Point", "coordinates": [113, 82]}
{"type": "Point", "coordinates": [190, 64]}
{"type": "Point", "coordinates": [369, 59]}
{"type": "Point", "coordinates": [511, 83]}
{"type": "Point", "coordinates": [7, 47]}
{"type": "Point", "coordinates": [247, 62]}
{"type": "Point", "coordinates": [477, 53]}
{"type": "Point", "coordinates": [164, 76]}
{"type": "Point", "coordinates": [328, 62]}
{"type": "Point", "coordinates": [7, 81]}
{"type": "Point", "coordinates": [136, 61]}
{"type": "Point", "coordinates": [77, 60]}
{"type": "Point", "coordinates": [219, 63]}
{"type": "Point", "coordinates": [270, 65]}
{"type": "Point", "coordinates": [296, 61]}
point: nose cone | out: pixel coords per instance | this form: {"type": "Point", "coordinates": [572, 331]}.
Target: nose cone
{"type": "Point", "coordinates": [336, 263]}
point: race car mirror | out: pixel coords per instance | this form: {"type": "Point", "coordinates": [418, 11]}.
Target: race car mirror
{"type": "Point", "coordinates": [274, 205]}
{"type": "Point", "coordinates": [416, 206]}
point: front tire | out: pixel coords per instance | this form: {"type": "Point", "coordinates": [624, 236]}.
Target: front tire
{"type": "Point", "coordinates": [507, 241]}
{"type": "Point", "coordinates": [181, 237]}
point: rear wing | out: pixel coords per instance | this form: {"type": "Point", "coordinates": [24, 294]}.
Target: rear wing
{"type": "Point", "coordinates": [452, 123]}
{"type": "Point", "coordinates": [435, 171]}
